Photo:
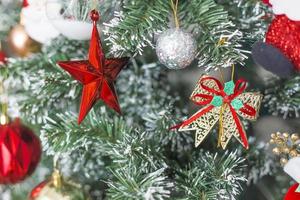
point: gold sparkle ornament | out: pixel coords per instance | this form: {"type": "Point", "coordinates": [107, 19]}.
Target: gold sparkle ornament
{"type": "Point", "coordinates": [283, 161]}
{"type": "Point", "coordinates": [273, 135]}
{"type": "Point", "coordinates": [276, 151]}
{"type": "Point", "coordinates": [294, 153]}
{"type": "Point", "coordinates": [286, 135]}
{"type": "Point", "coordinates": [295, 137]}
{"type": "Point", "coordinates": [287, 146]}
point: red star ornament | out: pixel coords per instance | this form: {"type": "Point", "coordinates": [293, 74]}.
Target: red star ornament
{"type": "Point", "coordinates": [97, 74]}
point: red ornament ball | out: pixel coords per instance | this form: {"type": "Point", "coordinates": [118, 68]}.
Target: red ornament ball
{"type": "Point", "coordinates": [284, 34]}
{"type": "Point", "coordinates": [292, 194]}
{"type": "Point", "coordinates": [2, 58]}
{"type": "Point", "coordinates": [20, 152]}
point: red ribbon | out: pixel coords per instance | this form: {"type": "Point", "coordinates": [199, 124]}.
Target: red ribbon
{"type": "Point", "coordinates": [240, 87]}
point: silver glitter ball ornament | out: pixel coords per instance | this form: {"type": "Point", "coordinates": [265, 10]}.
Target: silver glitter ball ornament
{"type": "Point", "coordinates": [176, 49]}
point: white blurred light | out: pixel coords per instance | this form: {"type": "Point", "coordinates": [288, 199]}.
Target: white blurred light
{"type": "Point", "coordinates": [19, 38]}
{"type": "Point", "coordinates": [292, 168]}
{"type": "Point", "coordinates": [288, 7]}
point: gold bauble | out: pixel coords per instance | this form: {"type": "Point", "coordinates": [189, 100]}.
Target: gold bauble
{"type": "Point", "coordinates": [286, 150]}
{"type": "Point", "coordinates": [286, 135]}
{"type": "Point", "coordinates": [294, 153]}
{"type": "Point", "coordinates": [283, 161]}
{"type": "Point", "coordinates": [273, 136]}
{"type": "Point", "coordinates": [58, 189]}
{"type": "Point", "coordinates": [21, 43]}
{"type": "Point", "coordinates": [278, 134]}
{"type": "Point", "coordinates": [276, 151]}
{"type": "Point", "coordinates": [295, 137]}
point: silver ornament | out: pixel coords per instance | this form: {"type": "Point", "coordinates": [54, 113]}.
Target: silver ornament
{"type": "Point", "coordinates": [176, 49]}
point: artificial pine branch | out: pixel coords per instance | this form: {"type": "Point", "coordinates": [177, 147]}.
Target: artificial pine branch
{"type": "Point", "coordinates": [63, 134]}
{"type": "Point", "coordinates": [210, 24]}
{"type": "Point", "coordinates": [35, 80]}
{"type": "Point", "coordinates": [146, 160]}
{"type": "Point", "coordinates": [131, 184]}
{"type": "Point", "coordinates": [221, 179]}
{"type": "Point", "coordinates": [9, 17]}
{"type": "Point", "coordinates": [282, 97]}
{"type": "Point", "coordinates": [251, 16]}
{"type": "Point", "coordinates": [133, 27]}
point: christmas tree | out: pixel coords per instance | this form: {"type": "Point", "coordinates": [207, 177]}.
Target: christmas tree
{"type": "Point", "coordinates": [149, 99]}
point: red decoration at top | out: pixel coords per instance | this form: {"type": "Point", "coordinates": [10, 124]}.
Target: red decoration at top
{"type": "Point", "coordinates": [97, 74]}
{"type": "Point", "coordinates": [292, 194]}
{"type": "Point", "coordinates": [95, 15]}
{"type": "Point", "coordinates": [20, 152]}
{"type": "Point", "coordinates": [284, 34]}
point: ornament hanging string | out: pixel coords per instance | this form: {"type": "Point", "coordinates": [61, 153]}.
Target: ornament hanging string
{"type": "Point", "coordinates": [94, 5]}
{"type": "Point", "coordinates": [221, 130]}
{"type": "Point", "coordinates": [4, 102]}
{"type": "Point", "coordinates": [4, 107]}
{"type": "Point", "coordinates": [221, 42]}
{"type": "Point", "coordinates": [56, 177]}
{"type": "Point", "coordinates": [221, 75]}
{"type": "Point", "coordinates": [175, 12]}
{"type": "Point", "coordinates": [221, 113]}
{"type": "Point", "coordinates": [232, 72]}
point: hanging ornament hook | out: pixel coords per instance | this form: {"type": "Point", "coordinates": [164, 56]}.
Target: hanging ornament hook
{"type": "Point", "coordinates": [56, 175]}
{"type": "Point", "coordinates": [95, 16]}
{"type": "Point", "coordinates": [175, 12]}
{"type": "Point", "coordinates": [232, 72]}
{"type": "Point", "coordinates": [4, 119]}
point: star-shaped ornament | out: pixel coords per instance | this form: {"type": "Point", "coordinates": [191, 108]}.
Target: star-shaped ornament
{"type": "Point", "coordinates": [97, 74]}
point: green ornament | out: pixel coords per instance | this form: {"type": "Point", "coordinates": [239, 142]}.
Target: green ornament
{"type": "Point", "coordinates": [237, 104]}
{"type": "Point", "coordinates": [217, 101]}
{"type": "Point", "coordinates": [229, 87]}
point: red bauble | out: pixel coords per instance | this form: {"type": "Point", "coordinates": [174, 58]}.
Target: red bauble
{"type": "Point", "coordinates": [284, 34]}
{"type": "Point", "coordinates": [97, 74]}
{"type": "Point", "coordinates": [2, 58]}
{"type": "Point", "coordinates": [20, 152]}
{"type": "Point", "coordinates": [292, 194]}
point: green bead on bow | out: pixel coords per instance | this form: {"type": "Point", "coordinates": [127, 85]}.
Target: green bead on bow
{"type": "Point", "coordinates": [218, 101]}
